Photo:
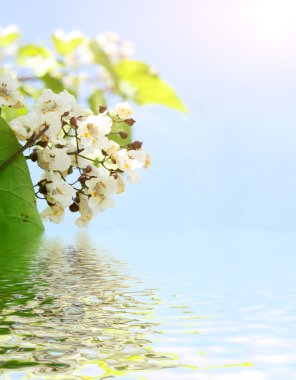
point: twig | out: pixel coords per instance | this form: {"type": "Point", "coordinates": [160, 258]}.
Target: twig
{"type": "Point", "coordinates": [28, 144]}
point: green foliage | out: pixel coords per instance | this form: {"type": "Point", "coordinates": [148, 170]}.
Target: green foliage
{"type": "Point", "coordinates": [55, 84]}
{"type": "Point", "coordinates": [96, 100]}
{"type": "Point", "coordinates": [101, 58]}
{"type": "Point", "coordinates": [32, 50]}
{"type": "Point", "coordinates": [149, 88]}
{"type": "Point", "coordinates": [121, 127]}
{"type": "Point", "coordinates": [18, 211]}
{"type": "Point", "coordinates": [9, 39]}
{"type": "Point", "coordinates": [66, 47]}
{"type": "Point", "coordinates": [9, 113]}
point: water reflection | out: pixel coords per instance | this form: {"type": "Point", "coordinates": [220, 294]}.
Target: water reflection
{"type": "Point", "coordinates": [73, 313]}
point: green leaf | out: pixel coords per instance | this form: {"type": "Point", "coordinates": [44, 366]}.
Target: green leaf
{"type": "Point", "coordinates": [66, 47]}
{"type": "Point", "coordinates": [9, 39]}
{"type": "Point", "coordinates": [32, 50]}
{"type": "Point", "coordinates": [149, 87]}
{"type": "Point", "coordinates": [9, 113]}
{"type": "Point", "coordinates": [96, 100]}
{"type": "Point", "coordinates": [123, 127]}
{"type": "Point", "coordinates": [101, 58]}
{"type": "Point", "coordinates": [55, 84]}
{"type": "Point", "coordinates": [18, 209]}
{"type": "Point", "coordinates": [31, 91]}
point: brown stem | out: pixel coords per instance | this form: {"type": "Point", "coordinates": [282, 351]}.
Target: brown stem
{"type": "Point", "coordinates": [28, 144]}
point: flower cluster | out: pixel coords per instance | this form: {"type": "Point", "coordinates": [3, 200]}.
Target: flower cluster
{"type": "Point", "coordinates": [77, 62]}
{"type": "Point", "coordinates": [83, 167]}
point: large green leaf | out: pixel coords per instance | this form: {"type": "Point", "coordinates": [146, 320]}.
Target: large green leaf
{"type": "Point", "coordinates": [149, 87]}
{"type": "Point", "coordinates": [18, 211]}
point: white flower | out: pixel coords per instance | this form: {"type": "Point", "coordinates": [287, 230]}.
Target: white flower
{"type": "Point", "coordinates": [53, 159]}
{"type": "Point", "coordinates": [59, 192]}
{"type": "Point", "coordinates": [126, 49]}
{"type": "Point", "coordinates": [109, 41]}
{"type": "Point", "coordinates": [100, 189]}
{"type": "Point", "coordinates": [93, 130]}
{"type": "Point", "coordinates": [54, 214]}
{"type": "Point", "coordinates": [120, 184]}
{"type": "Point", "coordinates": [85, 212]}
{"type": "Point", "coordinates": [130, 160]}
{"type": "Point", "coordinates": [123, 110]}
{"type": "Point", "coordinates": [148, 160]}
{"type": "Point", "coordinates": [49, 102]}
{"type": "Point", "coordinates": [53, 121]}
{"type": "Point", "coordinates": [24, 126]}
{"type": "Point", "coordinates": [111, 148]}
{"type": "Point", "coordinates": [82, 55]}
{"type": "Point", "coordinates": [73, 109]}
{"type": "Point", "coordinates": [9, 94]}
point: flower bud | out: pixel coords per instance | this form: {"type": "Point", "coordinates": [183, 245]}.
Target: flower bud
{"type": "Point", "coordinates": [136, 145]}
{"type": "Point", "coordinates": [123, 134]}
{"type": "Point", "coordinates": [41, 143]}
{"type": "Point", "coordinates": [130, 122]}
{"type": "Point", "coordinates": [73, 121]}
{"type": "Point", "coordinates": [88, 169]}
{"type": "Point", "coordinates": [42, 189]}
{"type": "Point", "coordinates": [74, 207]}
{"type": "Point", "coordinates": [33, 156]}
{"type": "Point", "coordinates": [102, 109]}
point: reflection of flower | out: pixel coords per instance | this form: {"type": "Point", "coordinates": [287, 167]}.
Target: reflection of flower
{"type": "Point", "coordinates": [82, 316]}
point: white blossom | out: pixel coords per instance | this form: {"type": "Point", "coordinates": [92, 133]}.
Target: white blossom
{"type": "Point", "coordinates": [9, 94]}
{"type": "Point", "coordinates": [53, 159]}
{"type": "Point", "coordinates": [93, 130]}
{"type": "Point", "coordinates": [54, 214]}
{"type": "Point", "coordinates": [58, 191]}
{"type": "Point", "coordinates": [73, 142]}
{"type": "Point", "coordinates": [123, 110]}
{"type": "Point", "coordinates": [100, 189]}
{"type": "Point", "coordinates": [49, 102]}
{"type": "Point", "coordinates": [85, 212]}
{"type": "Point", "coordinates": [24, 126]}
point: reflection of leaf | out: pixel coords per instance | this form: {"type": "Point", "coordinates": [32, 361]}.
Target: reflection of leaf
{"type": "Point", "coordinates": [17, 199]}
{"type": "Point", "coordinates": [101, 58]}
{"type": "Point", "coordinates": [66, 47]}
{"type": "Point", "coordinates": [96, 100]}
{"type": "Point", "coordinates": [149, 87]}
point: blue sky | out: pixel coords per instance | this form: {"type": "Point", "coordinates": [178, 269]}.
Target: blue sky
{"type": "Point", "coordinates": [230, 164]}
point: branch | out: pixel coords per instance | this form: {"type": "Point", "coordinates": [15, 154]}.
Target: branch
{"type": "Point", "coordinates": [28, 144]}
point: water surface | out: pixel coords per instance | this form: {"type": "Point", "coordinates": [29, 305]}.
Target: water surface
{"type": "Point", "coordinates": [194, 306]}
